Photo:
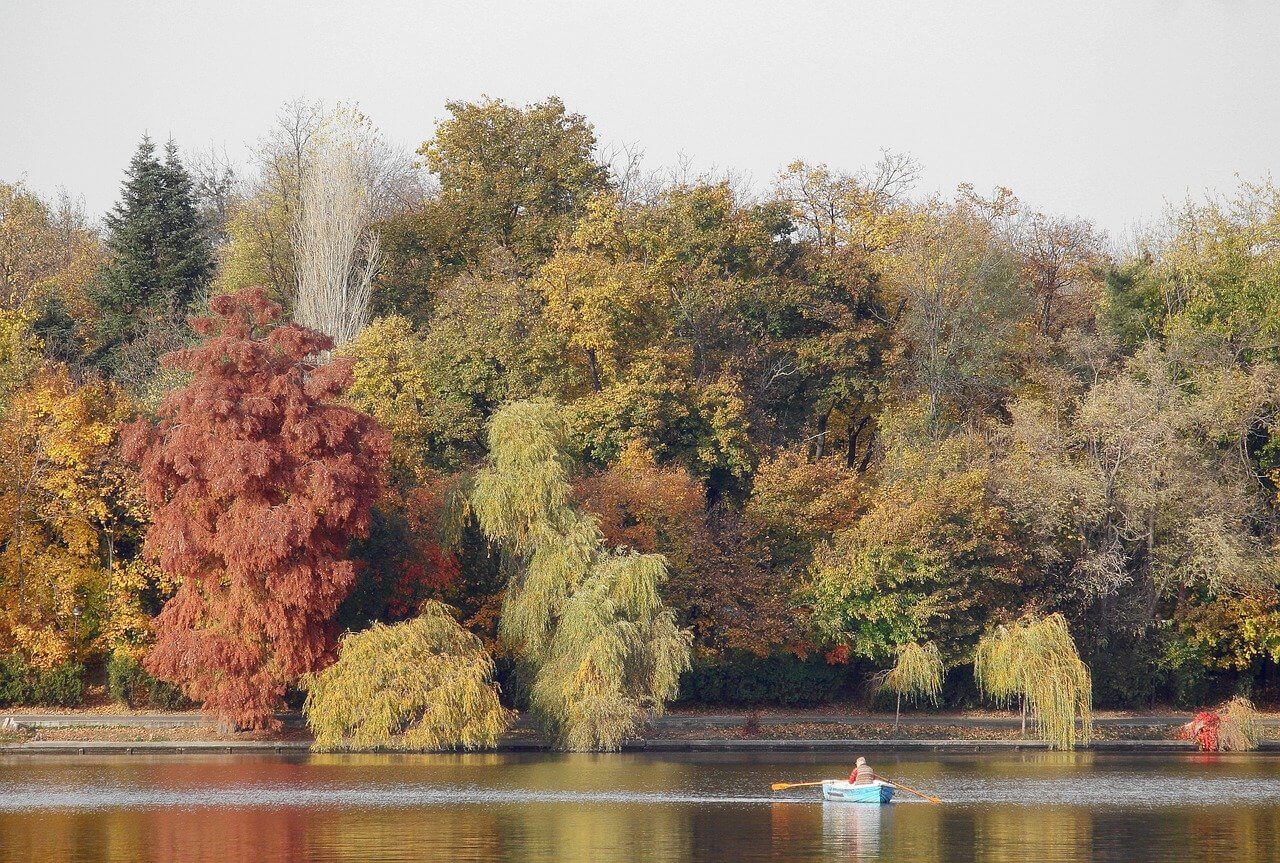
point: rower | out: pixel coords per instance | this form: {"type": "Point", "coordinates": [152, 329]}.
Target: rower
{"type": "Point", "coordinates": [862, 774]}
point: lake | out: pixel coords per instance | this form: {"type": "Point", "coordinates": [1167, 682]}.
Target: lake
{"type": "Point", "coordinates": [604, 808]}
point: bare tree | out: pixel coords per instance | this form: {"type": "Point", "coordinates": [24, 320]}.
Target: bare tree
{"type": "Point", "coordinates": [1060, 256]}
{"type": "Point", "coordinates": [214, 183]}
{"type": "Point", "coordinates": [335, 247]}
{"type": "Point", "coordinates": [835, 210]}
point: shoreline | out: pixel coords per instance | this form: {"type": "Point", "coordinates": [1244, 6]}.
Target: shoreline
{"type": "Point", "coordinates": [821, 730]}
{"type": "Point", "coordinates": [302, 747]}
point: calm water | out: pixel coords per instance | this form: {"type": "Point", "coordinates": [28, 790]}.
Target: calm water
{"type": "Point", "coordinates": [606, 808]}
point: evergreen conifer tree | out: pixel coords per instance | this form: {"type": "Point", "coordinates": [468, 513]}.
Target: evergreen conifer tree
{"type": "Point", "coordinates": [160, 263]}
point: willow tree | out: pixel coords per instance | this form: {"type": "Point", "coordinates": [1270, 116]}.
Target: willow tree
{"type": "Point", "coordinates": [589, 621]}
{"type": "Point", "coordinates": [426, 683]}
{"type": "Point", "coordinates": [1035, 662]}
{"type": "Point", "coordinates": [917, 673]}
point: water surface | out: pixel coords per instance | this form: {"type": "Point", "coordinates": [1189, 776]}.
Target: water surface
{"type": "Point", "coordinates": [606, 808]}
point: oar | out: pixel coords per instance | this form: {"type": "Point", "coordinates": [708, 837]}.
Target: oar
{"type": "Point", "coordinates": [779, 786]}
{"type": "Point", "coordinates": [928, 797]}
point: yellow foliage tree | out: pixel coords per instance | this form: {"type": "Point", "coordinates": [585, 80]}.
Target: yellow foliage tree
{"type": "Point", "coordinates": [48, 254]}
{"type": "Point", "coordinates": [426, 683]}
{"type": "Point", "coordinates": [63, 497]}
{"type": "Point", "coordinates": [399, 382]}
{"type": "Point", "coordinates": [605, 650]}
{"type": "Point", "coordinates": [1035, 661]}
{"type": "Point", "coordinates": [917, 673]}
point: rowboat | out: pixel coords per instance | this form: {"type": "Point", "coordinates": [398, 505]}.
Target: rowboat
{"type": "Point", "coordinates": [846, 792]}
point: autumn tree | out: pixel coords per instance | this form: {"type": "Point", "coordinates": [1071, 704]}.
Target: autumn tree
{"type": "Point", "coordinates": [513, 177]}
{"type": "Point", "coordinates": [605, 650]}
{"type": "Point", "coordinates": [412, 390]}
{"type": "Point", "coordinates": [1218, 274]}
{"type": "Point", "coordinates": [955, 279]}
{"type": "Point", "coordinates": [259, 482]}
{"type": "Point", "coordinates": [932, 558]}
{"type": "Point", "coordinates": [65, 501]}
{"type": "Point", "coordinates": [426, 683]}
{"type": "Point", "coordinates": [1140, 492]}
{"type": "Point", "coordinates": [917, 673]}
{"type": "Point", "coordinates": [715, 585]}
{"type": "Point", "coordinates": [49, 255]}
{"type": "Point", "coordinates": [1062, 258]}
{"type": "Point", "coordinates": [1034, 661]}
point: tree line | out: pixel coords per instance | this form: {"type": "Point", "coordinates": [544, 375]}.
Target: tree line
{"type": "Point", "coordinates": [517, 409]}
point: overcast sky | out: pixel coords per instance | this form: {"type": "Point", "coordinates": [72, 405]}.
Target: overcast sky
{"type": "Point", "coordinates": [1101, 109]}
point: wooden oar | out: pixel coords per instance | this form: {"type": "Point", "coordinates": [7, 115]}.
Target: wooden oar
{"type": "Point", "coordinates": [778, 786]}
{"type": "Point", "coordinates": [920, 794]}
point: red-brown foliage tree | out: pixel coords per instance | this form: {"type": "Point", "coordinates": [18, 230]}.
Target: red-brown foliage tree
{"type": "Point", "coordinates": [714, 584]}
{"type": "Point", "coordinates": [258, 481]}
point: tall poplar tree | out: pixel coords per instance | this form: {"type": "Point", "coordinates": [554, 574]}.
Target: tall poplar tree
{"type": "Point", "coordinates": [160, 262]}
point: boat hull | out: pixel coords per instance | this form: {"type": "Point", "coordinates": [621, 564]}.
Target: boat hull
{"type": "Point", "coordinates": [842, 791]}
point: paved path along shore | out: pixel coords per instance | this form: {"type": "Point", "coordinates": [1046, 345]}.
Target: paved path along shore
{"type": "Point", "coordinates": [675, 732]}
{"type": "Point", "coordinates": [668, 722]}
{"type": "Point", "coordinates": [267, 747]}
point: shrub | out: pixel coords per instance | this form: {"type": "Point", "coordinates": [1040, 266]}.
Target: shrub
{"type": "Point", "coordinates": [24, 685]}
{"type": "Point", "coordinates": [130, 684]}
{"type": "Point", "coordinates": [1233, 727]}
{"type": "Point", "coordinates": [783, 679]}
{"type": "Point", "coordinates": [60, 686]}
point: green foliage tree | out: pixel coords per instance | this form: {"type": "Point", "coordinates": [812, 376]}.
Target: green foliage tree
{"type": "Point", "coordinates": [605, 650]}
{"type": "Point", "coordinates": [513, 177]}
{"type": "Point", "coordinates": [399, 381]}
{"type": "Point", "coordinates": [934, 556]}
{"type": "Point", "coordinates": [160, 264]}
{"type": "Point", "coordinates": [426, 683]}
{"type": "Point", "coordinates": [512, 181]}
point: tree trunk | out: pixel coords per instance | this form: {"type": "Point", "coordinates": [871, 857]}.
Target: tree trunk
{"type": "Point", "coordinates": [820, 439]}
{"type": "Point", "coordinates": [897, 713]}
{"type": "Point", "coordinates": [866, 454]}
{"type": "Point", "coordinates": [594, 366]}
{"type": "Point", "coordinates": [855, 432]}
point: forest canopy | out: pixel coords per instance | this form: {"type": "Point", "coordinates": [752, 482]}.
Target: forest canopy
{"type": "Point", "coordinates": [747, 444]}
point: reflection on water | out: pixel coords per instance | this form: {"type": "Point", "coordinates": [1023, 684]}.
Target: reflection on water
{"type": "Point", "coordinates": [853, 830]}
{"type": "Point", "coordinates": [607, 808]}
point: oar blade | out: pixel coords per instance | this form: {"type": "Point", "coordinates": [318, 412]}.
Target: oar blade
{"type": "Point", "coordinates": [778, 786]}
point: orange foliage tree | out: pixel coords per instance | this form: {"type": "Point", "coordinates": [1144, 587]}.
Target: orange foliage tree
{"type": "Point", "coordinates": [715, 585]}
{"type": "Point", "coordinates": [259, 482]}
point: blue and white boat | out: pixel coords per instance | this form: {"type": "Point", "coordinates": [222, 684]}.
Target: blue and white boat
{"type": "Point", "coordinates": [845, 791]}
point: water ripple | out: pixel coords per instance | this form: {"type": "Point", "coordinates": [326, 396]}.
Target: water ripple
{"type": "Point", "coordinates": [1115, 790]}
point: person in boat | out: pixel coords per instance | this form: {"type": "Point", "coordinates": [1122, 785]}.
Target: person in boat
{"type": "Point", "coordinates": [862, 774]}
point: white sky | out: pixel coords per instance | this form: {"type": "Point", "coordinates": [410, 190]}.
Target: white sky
{"type": "Point", "coordinates": [1098, 108]}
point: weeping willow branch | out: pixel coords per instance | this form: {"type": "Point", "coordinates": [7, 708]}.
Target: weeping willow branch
{"type": "Point", "coordinates": [1035, 660]}
{"type": "Point", "coordinates": [916, 674]}
{"type": "Point", "coordinates": [423, 684]}
{"type": "Point", "coordinates": [606, 651]}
